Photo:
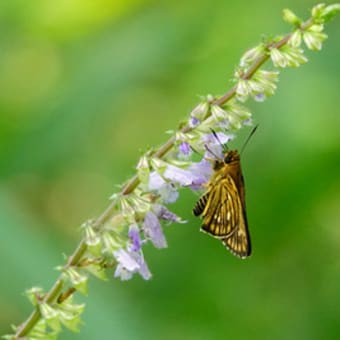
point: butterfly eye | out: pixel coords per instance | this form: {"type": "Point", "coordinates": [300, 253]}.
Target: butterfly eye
{"type": "Point", "coordinates": [227, 159]}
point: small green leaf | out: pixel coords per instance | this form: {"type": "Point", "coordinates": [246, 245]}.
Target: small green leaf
{"type": "Point", "coordinates": [33, 294]}
{"type": "Point", "coordinates": [70, 321]}
{"type": "Point", "coordinates": [78, 280]}
{"type": "Point", "coordinates": [291, 18]}
{"type": "Point", "coordinates": [51, 316]}
{"type": "Point", "coordinates": [97, 271]}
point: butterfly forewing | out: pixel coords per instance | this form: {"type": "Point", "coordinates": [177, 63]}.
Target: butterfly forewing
{"type": "Point", "coordinates": [223, 210]}
{"type": "Point", "coordinates": [220, 213]}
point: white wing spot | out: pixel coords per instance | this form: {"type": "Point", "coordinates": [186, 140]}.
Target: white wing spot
{"type": "Point", "coordinates": [241, 232]}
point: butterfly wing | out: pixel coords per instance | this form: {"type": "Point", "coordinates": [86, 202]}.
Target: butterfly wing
{"type": "Point", "coordinates": [218, 208]}
{"type": "Point", "coordinates": [223, 211]}
{"type": "Point", "coordinates": [200, 204]}
{"type": "Point", "coordinates": [239, 242]}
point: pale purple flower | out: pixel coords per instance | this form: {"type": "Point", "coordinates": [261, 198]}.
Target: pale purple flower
{"type": "Point", "coordinates": [224, 124]}
{"type": "Point", "coordinates": [144, 270]}
{"type": "Point", "coordinates": [178, 175]}
{"type": "Point", "coordinates": [184, 149]}
{"type": "Point", "coordinates": [167, 191]}
{"type": "Point", "coordinates": [165, 214]}
{"type": "Point", "coordinates": [183, 177]}
{"type": "Point", "coordinates": [194, 122]}
{"type": "Point", "coordinates": [126, 266]}
{"type": "Point", "coordinates": [210, 138]}
{"type": "Point", "coordinates": [214, 145]}
{"type": "Point", "coordinates": [153, 230]}
{"type": "Point", "coordinates": [260, 97]}
{"type": "Point", "coordinates": [135, 239]}
{"type": "Point", "coordinates": [123, 273]}
{"type": "Point", "coordinates": [202, 168]}
{"type": "Point", "coordinates": [201, 171]}
{"type": "Point", "coordinates": [129, 263]}
{"type": "Point", "coordinates": [156, 181]}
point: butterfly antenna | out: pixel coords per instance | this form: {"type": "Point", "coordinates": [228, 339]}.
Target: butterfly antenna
{"type": "Point", "coordinates": [248, 139]}
{"type": "Point", "coordinates": [207, 148]}
{"type": "Point", "coordinates": [216, 136]}
{"type": "Point", "coordinates": [224, 146]}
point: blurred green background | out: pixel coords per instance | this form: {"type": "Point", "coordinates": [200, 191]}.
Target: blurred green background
{"type": "Point", "coordinates": [86, 85]}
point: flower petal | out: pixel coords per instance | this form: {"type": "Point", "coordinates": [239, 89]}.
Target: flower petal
{"type": "Point", "coordinates": [178, 175]}
{"type": "Point", "coordinates": [211, 139]}
{"type": "Point", "coordinates": [184, 148]}
{"type": "Point", "coordinates": [130, 263]}
{"type": "Point", "coordinates": [201, 172]}
{"type": "Point", "coordinates": [134, 236]}
{"type": "Point", "coordinates": [123, 273]}
{"type": "Point", "coordinates": [156, 181]}
{"type": "Point", "coordinates": [126, 260]}
{"type": "Point", "coordinates": [165, 214]}
{"type": "Point", "coordinates": [194, 121]}
{"type": "Point", "coordinates": [168, 193]}
{"type": "Point", "coordinates": [153, 230]}
{"type": "Point", "coordinates": [143, 267]}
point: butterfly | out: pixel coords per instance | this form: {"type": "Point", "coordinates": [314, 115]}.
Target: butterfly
{"type": "Point", "coordinates": [223, 207]}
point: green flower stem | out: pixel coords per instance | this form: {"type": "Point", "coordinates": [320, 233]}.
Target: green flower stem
{"type": "Point", "coordinates": [78, 254]}
{"type": "Point", "coordinates": [36, 315]}
{"type": "Point", "coordinates": [55, 291]}
{"type": "Point", "coordinates": [131, 185]}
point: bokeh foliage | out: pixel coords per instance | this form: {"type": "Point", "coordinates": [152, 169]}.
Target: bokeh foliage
{"type": "Point", "coordinates": [86, 86]}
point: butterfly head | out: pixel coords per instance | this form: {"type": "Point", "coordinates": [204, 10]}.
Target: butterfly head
{"type": "Point", "coordinates": [231, 156]}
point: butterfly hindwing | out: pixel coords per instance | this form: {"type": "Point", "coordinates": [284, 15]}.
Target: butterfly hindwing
{"type": "Point", "coordinates": [201, 204]}
{"type": "Point", "coordinates": [239, 242]}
